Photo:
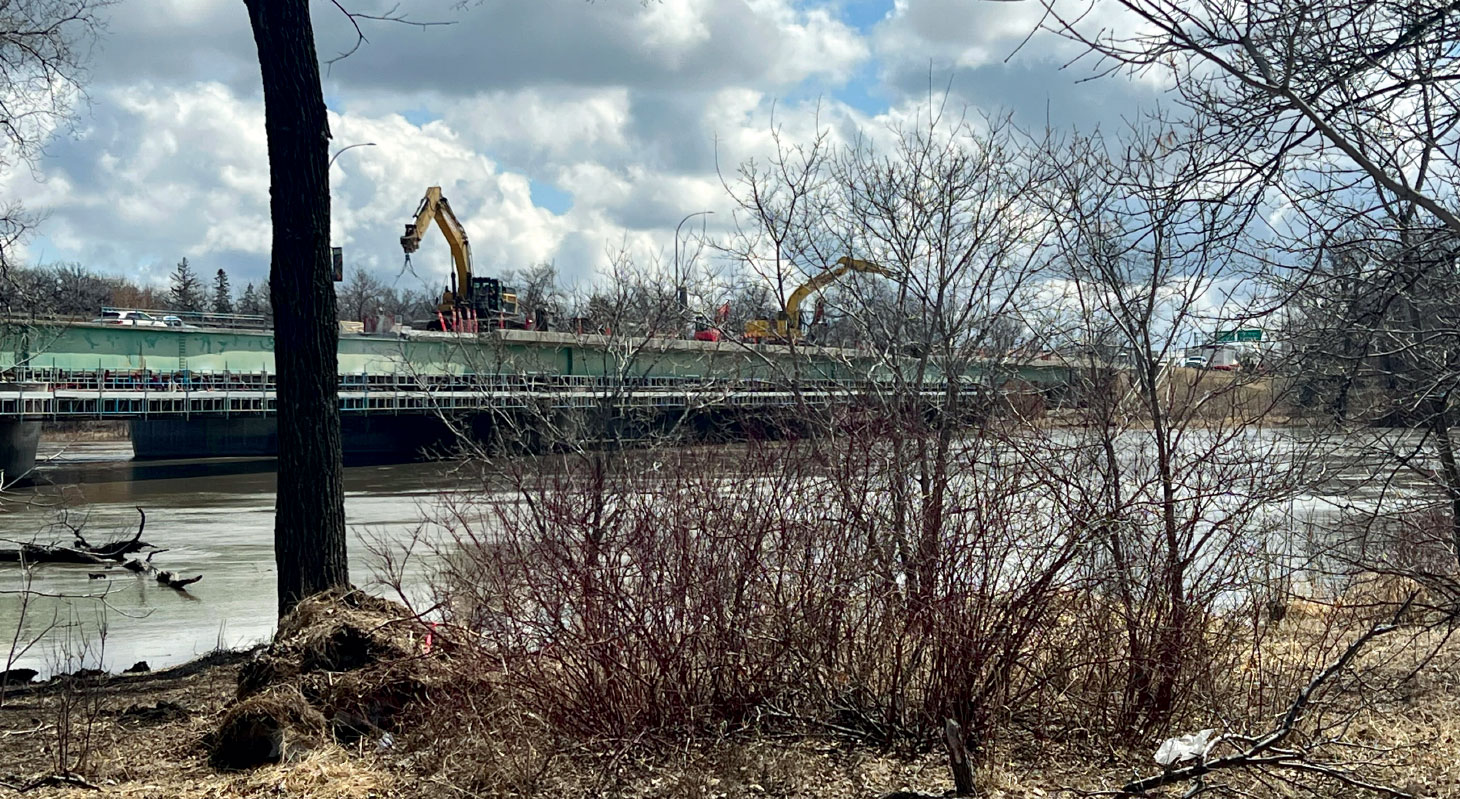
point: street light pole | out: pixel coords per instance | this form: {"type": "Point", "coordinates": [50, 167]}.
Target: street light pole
{"type": "Point", "coordinates": [678, 275]}
{"type": "Point", "coordinates": [343, 149]}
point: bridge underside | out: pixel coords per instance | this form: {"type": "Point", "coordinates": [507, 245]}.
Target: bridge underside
{"type": "Point", "coordinates": [405, 437]}
{"type": "Point", "coordinates": [363, 438]}
{"type": "Point", "coordinates": [375, 439]}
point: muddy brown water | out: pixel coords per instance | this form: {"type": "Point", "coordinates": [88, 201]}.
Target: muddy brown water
{"type": "Point", "coordinates": [214, 517]}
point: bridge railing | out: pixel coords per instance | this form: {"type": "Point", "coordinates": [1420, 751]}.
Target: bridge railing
{"type": "Point", "coordinates": [231, 321]}
{"type": "Point", "coordinates": [56, 394]}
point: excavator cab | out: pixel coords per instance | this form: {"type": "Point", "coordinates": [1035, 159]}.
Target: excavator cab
{"type": "Point", "coordinates": [485, 295]}
{"type": "Point", "coordinates": [778, 329]}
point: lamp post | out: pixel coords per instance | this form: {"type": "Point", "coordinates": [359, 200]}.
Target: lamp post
{"type": "Point", "coordinates": [678, 275]}
{"type": "Point", "coordinates": [340, 151]}
{"type": "Point", "coordinates": [337, 257]}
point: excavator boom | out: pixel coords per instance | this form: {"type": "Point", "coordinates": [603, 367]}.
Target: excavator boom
{"type": "Point", "coordinates": [465, 294]}
{"type": "Point", "coordinates": [787, 325]}
{"type": "Point", "coordinates": [434, 206]}
{"type": "Point", "coordinates": [826, 278]}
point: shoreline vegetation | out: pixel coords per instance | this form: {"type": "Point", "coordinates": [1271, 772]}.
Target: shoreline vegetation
{"type": "Point", "coordinates": [160, 733]}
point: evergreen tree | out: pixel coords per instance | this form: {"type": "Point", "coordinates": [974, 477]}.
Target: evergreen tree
{"type": "Point", "coordinates": [222, 294]}
{"type": "Point", "coordinates": [187, 291]}
{"type": "Point", "coordinates": [249, 303]}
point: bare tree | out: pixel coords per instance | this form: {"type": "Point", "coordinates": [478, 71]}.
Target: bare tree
{"type": "Point", "coordinates": [961, 263]}
{"type": "Point", "coordinates": [1316, 98]}
{"type": "Point", "coordinates": [537, 288]}
{"type": "Point", "coordinates": [44, 49]}
{"type": "Point", "coordinates": [948, 211]}
{"type": "Point", "coordinates": [1347, 109]}
{"type": "Point", "coordinates": [360, 296]}
{"type": "Point", "coordinates": [1151, 237]}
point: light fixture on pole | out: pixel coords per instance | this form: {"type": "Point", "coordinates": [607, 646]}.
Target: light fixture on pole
{"type": "Point", "coordinates": [341, 151]}
{"type": "Point", "coordinates": [678, 275]}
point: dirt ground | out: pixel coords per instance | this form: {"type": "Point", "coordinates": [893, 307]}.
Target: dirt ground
{"type": "Point", "coordinates": [148, 740]}
{"type": "Point", "coordinates": [146, 735]}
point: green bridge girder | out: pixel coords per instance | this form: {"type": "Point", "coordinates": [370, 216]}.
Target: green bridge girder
{"type": "Point", "coordinates": [118, 348]}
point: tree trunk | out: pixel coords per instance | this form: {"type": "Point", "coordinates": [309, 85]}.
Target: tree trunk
{"type": "Point", "coordinates": [309, 521]}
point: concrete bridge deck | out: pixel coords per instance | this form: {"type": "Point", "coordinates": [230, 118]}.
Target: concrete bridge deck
{"type": "Point", "coordinates": [220, 382]}
{"type": "Point", "coordinates": [38, 347]}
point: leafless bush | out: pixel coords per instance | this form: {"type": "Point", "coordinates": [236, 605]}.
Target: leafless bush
{"type": "Point", "coordinates": [78, 703]}
{"type": "Point", "coordinates": [756, 587]}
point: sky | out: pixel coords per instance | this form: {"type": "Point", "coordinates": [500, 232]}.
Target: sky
{"type": "Point", "coordinates": [560, 130]}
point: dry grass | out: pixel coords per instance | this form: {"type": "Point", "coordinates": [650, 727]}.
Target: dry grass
{"type": "Point", "coordinates": [490, 750]}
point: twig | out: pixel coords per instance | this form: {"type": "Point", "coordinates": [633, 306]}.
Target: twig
{"type": "Point", "coordinates": [1258, 754]}
{"type": "Point", "coordinates": [31, 731]}
{"type": "Point", "coordinates": [389, 16]}
{"type": "Point", "coordinates": [50, 780]}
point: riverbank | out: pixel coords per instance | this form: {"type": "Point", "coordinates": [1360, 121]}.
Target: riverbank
{"type": "Point", "coordinates": [148, 735]}
{"type": "Point", "coordinates": [89, 431]}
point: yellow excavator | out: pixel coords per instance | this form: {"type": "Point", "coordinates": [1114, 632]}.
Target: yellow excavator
{"type": "Point", "coordinates": [470, 303]}
{"type": "Point", "coordinates": [787, 326]}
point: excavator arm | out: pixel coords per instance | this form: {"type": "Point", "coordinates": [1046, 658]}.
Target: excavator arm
{"type": "Point", "coordinates": [434, 206]}
{"type": "Point", "coordinates": [827, 277]}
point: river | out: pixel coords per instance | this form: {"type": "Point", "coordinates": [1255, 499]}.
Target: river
{"type": "Point", "coordinates": [214, 517]}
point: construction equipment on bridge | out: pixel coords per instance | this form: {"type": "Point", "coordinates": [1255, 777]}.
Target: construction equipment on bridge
{"type": "Point", "coordinates": [471, 302]}
{"type": "Point", "coordinates": [788, 325]}
{"type": "Point", "coordinates": [707, 330]}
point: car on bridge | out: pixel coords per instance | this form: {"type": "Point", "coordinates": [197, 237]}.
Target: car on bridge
{"type": "Point", "coordinates": [135, 318]}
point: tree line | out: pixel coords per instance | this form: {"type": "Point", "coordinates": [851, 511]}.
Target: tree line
{"type": "Point", "coordinates": [71, 289]}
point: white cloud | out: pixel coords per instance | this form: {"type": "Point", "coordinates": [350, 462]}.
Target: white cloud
{"type": "Point", "coordinates": [628, 109]}
{"type": "Point", "coordinates": [955, 32]}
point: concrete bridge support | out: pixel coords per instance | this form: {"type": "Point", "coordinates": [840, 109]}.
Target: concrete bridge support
{"type": "Point", "coordinates": [18, 442]}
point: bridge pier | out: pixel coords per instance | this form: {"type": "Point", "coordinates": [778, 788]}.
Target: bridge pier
{"type": "Point", "coordinates": [18, 440]}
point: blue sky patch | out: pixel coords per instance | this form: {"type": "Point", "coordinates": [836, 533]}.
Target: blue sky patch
{"type": "Point", "coordinates": [419, 116]}
{"type": "Point", "coordinates": [864, 14]}
{"type": "Point", "coordinates": [546, 195]}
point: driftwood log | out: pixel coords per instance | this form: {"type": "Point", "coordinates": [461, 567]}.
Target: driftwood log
{"type": "Point", "coordinates": [115, 550]}
{"type": "Point", "coordinates": [46, 553]}
{"type": "Point", "coordinates": [166, 578]}
{"type": "Point", "coordinates": [109, 554]}
{"type": "Point", "coordinates": [83, 552]}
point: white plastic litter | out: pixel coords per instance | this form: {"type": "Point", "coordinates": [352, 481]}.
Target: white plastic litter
{"type": "Point", "coordinates": [1185, 747]}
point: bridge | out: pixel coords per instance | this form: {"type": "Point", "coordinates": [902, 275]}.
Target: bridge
{"type": "Point", "coordinates": [199, 392]}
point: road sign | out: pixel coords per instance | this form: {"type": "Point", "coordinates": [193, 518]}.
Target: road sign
{"type": "Point", "coordinates": [1240, 334]}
